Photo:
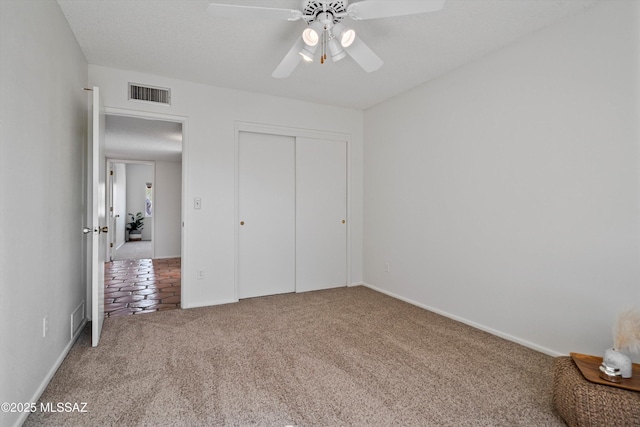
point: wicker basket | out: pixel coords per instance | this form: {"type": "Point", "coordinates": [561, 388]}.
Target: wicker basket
{"type": "Point", "coordinates": [583, 403]}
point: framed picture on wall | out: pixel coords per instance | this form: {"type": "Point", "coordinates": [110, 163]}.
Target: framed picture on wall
{"type": "Point", "coordinates": [148, 203]}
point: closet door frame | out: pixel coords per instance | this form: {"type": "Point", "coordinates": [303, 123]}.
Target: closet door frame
{"type": "Point", "coordinates": [241, 126]}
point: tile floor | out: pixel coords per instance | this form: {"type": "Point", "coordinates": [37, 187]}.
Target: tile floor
{"type": "Point", "coordinates": [141, 286]}
{"type": "Point", "coordinates": [133, 250]}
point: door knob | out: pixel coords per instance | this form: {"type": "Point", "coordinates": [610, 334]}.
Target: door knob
{"type": "Point", "coordinates": [343, 221]}
{"type": "Point", "coordinates": [87, 230]}
{"type": "Point", "coordinates": [241, 222]}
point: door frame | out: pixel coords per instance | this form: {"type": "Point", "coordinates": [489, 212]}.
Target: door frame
{"type": "Point", "coordinates": [183, 120]}
{"type": "Point", "coordinates": [243, 126]}
{"type": "Point", "coordinates": [110, 217]}
{"type": "Point", "coordinates": [152, 164]}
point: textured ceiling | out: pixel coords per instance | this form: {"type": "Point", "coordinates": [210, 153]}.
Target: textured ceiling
{"type": "Point", "coordinates": [178, 39]}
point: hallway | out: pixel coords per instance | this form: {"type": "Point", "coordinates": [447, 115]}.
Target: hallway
{"type": "Point", "coordinates": [134, 250]}
{"type": "Point", "coordinates": [141, 286]}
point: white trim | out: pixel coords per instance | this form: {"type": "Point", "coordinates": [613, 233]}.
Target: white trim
{"type": "Point", "coordinates": [133, 162]}
{"type": "Point", "coordinates": [167, 257]}
{"type": "Point", "coordinates": [290, 131]}
{"type": "Point", "coordinates": [468, 322]}
{"type": "Point", "coordinates": [184, 120]}
{"type": "Point", "coordinates": [209, 303]}
{"type": "Point", "coordinates": [47, 379]}
{"type": "Point", "coordinates": [126, 112]}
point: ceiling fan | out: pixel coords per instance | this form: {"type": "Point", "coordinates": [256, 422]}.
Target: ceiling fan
{"type": "Point", "coordinates": [325, 30]}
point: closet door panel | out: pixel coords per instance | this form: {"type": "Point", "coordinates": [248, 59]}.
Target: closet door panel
{"type": "Point", "coordinates": [266, 208]}
{"type": "Point", "coordinates": [321, 213]}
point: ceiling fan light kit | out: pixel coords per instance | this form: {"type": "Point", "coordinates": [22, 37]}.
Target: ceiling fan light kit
{"type": "Point", "coordinates": [325, 29]}
{"type": "Point", "coordinates": [311, 34]}
{"type": "Point", "coordinates": [336, 51]}
{"type": "Point", "coordinates": [308, 52]}
{"type": "Point", "coordinates": [344, 34]}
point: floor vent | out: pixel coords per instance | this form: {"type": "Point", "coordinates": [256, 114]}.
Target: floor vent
{"type": "Point", "coordinates": [156, 95]}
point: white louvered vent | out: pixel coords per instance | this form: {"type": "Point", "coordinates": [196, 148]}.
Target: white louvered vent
{"type": "Point", "coordinates": [156, 95]}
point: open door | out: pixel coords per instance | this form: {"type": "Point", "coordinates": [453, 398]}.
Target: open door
{"type": "Point", "coordinates": [96, 214]}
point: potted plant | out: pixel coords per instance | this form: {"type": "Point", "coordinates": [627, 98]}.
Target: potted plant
{"type": "Point", "coordinates": [135, 226]}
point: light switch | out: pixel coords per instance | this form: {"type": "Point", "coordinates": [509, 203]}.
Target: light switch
{"type": "Point", "coordinates": [197, 203]}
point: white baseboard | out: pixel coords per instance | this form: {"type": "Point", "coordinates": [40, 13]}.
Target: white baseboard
{"type": "Point", "coordinates": [469, 322]}
{"type": "Point", "coordinates": [209, 303]}
{"type": "Point", "coordinates": [47, 379]}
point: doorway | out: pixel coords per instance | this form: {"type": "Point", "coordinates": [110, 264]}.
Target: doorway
{"type": "Point", "coordinates": [131, 210]}
{"type": "Point", "coordinates": [144, 197]}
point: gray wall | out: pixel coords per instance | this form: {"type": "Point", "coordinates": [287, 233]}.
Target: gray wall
{"type": "Point", "coordinates": [43, 111]}
{"type": "Point", "coordinates": [210, 115]}
{"type": "Point", "coordinates": [168, 209]}
{"type": "Point", "coordinates": [167, 201]}
{"type": "Point", "coordinates": [506, 193]}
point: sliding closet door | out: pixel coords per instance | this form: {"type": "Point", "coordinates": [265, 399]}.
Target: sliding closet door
{"type": "Point", "coordinates": [321, 213]}
{"type": "Point", "coordinates": [266, 207]}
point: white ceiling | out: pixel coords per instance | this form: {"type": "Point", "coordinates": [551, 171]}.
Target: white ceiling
{"type": "Point", "coordinates": [131, 138]}
{"type": "Point", "coordinates": [179, 39]}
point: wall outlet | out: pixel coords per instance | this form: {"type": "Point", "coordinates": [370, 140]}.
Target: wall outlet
{"type": "Point", "coordinates": [200, 274]}
{"type": "Point", "coordinates": [387, 267]}
{"type": "Point", "coordinates": [45, 326]}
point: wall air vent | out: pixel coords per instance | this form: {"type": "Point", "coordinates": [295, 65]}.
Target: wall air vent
{"type": "Point", "coordinates": [156, 95]}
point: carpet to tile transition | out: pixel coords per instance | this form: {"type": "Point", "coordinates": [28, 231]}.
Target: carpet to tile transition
{"type": "Point", "coordinates": [347, 356]}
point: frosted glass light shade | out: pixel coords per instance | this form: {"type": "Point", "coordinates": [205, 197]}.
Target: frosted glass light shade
{"type": "Point", "coordinates": [347, 37]}
{"type": "Point", "coordinates": [310, 36]}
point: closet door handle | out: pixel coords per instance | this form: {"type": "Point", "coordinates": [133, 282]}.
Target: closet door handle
{"type": "Point", "coordinates": [241, 222]}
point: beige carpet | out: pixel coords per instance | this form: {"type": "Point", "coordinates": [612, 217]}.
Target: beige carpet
{"type": "Point", "coordinates": [348, 356]}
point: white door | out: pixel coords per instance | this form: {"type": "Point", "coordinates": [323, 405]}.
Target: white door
{"type": "Point", "coordinates": [266, 209]}
{"type": "Point", "coordinates": [97, 214]}
{"type": "Point", "coordinates": [321, 214]}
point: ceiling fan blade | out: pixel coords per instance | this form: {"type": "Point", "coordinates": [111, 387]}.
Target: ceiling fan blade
{"type": "Point", "coordinates": [374, 9]}
{"type": "Point", "coordinates": [290, 61]}
{"type": "Point", "coordinates": [249, 12]}
{"type": "Point", "coordinates": [364, 56]}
